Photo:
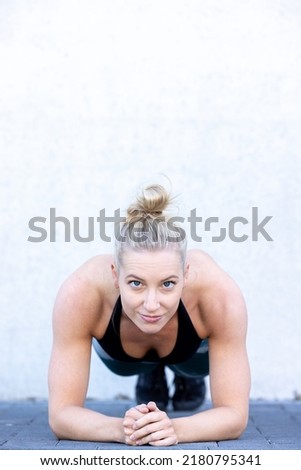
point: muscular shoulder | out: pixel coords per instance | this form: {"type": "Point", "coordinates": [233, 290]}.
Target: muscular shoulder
{"type": "Point", "coordinates": [220, 299]}
{"type": "Point", "coordinates": [83, 296]}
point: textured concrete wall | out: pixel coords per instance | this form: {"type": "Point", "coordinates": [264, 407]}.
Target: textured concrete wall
{"type": "Point", "coordinates": [99, 97]}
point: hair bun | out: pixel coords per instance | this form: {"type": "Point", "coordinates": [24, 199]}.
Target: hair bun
{"type": "Point", "coordinates": [152, 202]}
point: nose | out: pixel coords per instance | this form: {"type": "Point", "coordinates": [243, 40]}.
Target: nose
{"type": "Point", "coordinates": [151, 302]}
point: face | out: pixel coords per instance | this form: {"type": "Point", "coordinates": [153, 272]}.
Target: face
{"type": "Point", "coordinates": [150, 284]}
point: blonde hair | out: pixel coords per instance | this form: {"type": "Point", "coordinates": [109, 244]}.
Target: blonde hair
{"type": "Point", "coordinates": [149, 227]}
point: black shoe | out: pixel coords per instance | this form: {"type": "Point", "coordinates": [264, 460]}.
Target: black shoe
{"type": "Point", "coordinates": [152, 386]}
{"type": "Point", "coordinates": [189, 393]}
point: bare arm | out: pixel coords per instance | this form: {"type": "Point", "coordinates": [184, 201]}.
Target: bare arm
{"type": "Point", "coordinates": [69, 370]}
{"type": "Point", "coordinates": [229, 377]}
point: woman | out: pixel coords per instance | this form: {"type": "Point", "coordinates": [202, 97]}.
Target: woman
{"type": "Point", "coordinates": [167, 305]}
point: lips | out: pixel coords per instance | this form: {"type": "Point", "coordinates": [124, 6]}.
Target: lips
{"type": "Point", "coordinates": [150, 319]}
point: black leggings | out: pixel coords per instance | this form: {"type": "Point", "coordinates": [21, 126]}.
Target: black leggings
{"type": "Point", "coordinates": [196, 366]}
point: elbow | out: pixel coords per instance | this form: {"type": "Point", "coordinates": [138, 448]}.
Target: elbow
{"type": "Point", "coordinates": [237, 432]}
{"type": "Point", "coordinates": [56, 426]}
{"type": "Point", "coordinates": [238, 425]}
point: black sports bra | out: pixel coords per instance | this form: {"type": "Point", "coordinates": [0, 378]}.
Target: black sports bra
{"type": "Point", "coordinates": [187, 341]}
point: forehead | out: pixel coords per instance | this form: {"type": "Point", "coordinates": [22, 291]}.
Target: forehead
{"type": "Point", "coordinates": [160, 261]}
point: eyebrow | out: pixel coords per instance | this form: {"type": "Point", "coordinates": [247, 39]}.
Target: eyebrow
{"type": "Point", "coordinates": [173, 276]}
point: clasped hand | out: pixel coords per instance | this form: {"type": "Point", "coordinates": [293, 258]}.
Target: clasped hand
{"type": "Point", "coordinates": [147, 424]}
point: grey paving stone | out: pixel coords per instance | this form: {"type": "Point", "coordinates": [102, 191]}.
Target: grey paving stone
{"type": "Point", "coordinates": [272, 425]}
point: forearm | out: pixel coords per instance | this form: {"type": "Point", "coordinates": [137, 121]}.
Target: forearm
{"type": "Point", "coordinates": [78, 423]}
{"type": "Point", "coordinates": [216, 424]}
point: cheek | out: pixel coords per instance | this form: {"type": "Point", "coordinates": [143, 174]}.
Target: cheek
{"type": "Point", "coordinates": [128, 297]}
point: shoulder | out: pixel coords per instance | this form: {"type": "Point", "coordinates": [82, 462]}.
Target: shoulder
{"type": "Point", "coordinates": [205, 274]}
{"type": "Point", "coordinates": [84, 295]}
{"type": "Point", "coordinates": [203, 263]}
{"type": "Point", "coordinates": [220, 300]}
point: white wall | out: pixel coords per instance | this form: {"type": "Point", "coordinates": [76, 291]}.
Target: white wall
{"type": "Point", "coordinates": [98, 97]}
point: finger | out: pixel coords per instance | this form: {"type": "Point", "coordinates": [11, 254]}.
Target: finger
{"type": "Point", "coordinates": [149, 418]}
{"type": "Point", "coordinates": [152, 406]}
{"type": "Point", "coordinates": [129, 442]}
{"type": "Point", "coordinates": [169, 441]}
{"type": "Point", "coordinates": [130, 418]}
{"type": "Point", "coordinates": [147, 427]}
{"type": "Point", "coordinates": [136, 412]}
{"type": "Point", "coordinates": [128, 427]}
{"type": "Point", "coordinates": [128, 422]}
{"type": "Point", "coordinates": [161, 437]}
{"type": "Point", "coordinates": [143, 408]}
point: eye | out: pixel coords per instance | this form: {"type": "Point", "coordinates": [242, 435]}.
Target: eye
{"type": "Point", "coordinates": [168, 284]}
{"type": "Point", "coordinates": [135, 283]}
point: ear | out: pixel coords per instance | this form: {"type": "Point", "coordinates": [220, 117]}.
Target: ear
{"type": "Point", "coordinates": [186, 273]}
{"type": "Point", "coordinates": [115, 275]}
